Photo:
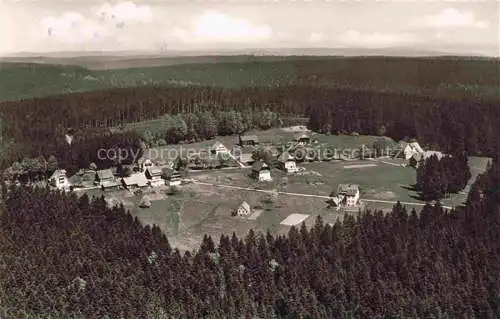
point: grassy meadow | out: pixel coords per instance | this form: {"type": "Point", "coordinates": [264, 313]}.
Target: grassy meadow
{"type": "Point", "coordinates": [199, 209]}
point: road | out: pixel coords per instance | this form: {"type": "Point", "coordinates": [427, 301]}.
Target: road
{"type": "Point", "coordinates": [308, 195]}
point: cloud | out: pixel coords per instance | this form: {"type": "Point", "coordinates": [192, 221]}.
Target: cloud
{"type": "Point", "coordinates": [354, 38]}
{"type": "Point", "coordinates": [213, 26]}
{"type": "Point", "coordinates": [71, 27]}
{"type": "Point", "coordinates": [316, 37]}
{"type": "Point", "coordinates": [451, 18]}
{"type": "Point", "coordinates": [104, 25]}
{"type": "Point", "coordinates": [124, 12]}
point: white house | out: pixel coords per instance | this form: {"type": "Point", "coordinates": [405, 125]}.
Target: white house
{"type": "Point", "coordinates": [347, 195]}
{"type": "Point", "coordinates": [218, 148]}
{"type": "Point", "coordinates": [60, 180]}
{"type": "Point", "coordinates": [244, 209]}
{"type": "Point", "coordinates": [261, 171]}
{"type": "Point", "coordinates": [407, 150]}
{"type": "Point", "coordinates": [287, 162]}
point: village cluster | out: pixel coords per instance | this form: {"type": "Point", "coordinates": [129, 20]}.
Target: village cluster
{"type": "Point", "coordinates": [151, 173]}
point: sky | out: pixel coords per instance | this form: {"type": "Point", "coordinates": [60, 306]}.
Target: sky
{"type": "Point", "coordinates": [162, 25]}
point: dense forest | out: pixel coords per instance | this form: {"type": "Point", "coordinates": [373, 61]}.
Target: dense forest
{"type": "Point", "coordinates": [69, 257]}
{"type": "Point", "coordinates": [437, 177]}
{"type": "Point", "coordinates": [458, 77]}
{"type": "Point", "coordinates": [35, 127]}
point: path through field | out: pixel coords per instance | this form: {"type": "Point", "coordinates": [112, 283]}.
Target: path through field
{"type": "Point", "coordinates": [308, 195]}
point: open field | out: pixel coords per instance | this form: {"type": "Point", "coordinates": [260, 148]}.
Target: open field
{"type": "Point", "coordinates": [458, 77]}
{"type": "Point", "coordinates": [294, 219]}
{"type": "Point", "coordinates": [275, 136]}
{"type": "Point", "coordinates": [203, 208]}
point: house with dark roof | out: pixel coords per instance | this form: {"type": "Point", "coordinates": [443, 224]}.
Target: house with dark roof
{"type": "Point", "coordinates": [346, 195]}
{"type": "Point", "coordinates": [249, 140]}
{"type": "Point", "coordinates": [136, 180]}
{"type": "Point", "coordinates": [287, 162]}
{"type": "Point", "coordinates": [105, 178]}
{"type": "Point", "coordinates": [153, 174]}
{"type": "Point", "coordinates": [261, 171]}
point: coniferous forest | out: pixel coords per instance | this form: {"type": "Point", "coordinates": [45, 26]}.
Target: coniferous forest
{"type": "Point", "coordinates": [36, 127]}
{"type": "Point", "coordinates": [69, 257]}
{"type": "Point", "coordinates": [64, 256]}
{"type": "Point", "coordinates": [438, 177]}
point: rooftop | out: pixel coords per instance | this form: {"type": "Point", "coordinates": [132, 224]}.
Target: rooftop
{"type": "Point", "coordinates": [348, 189]}
{"type": "Point", "coordinates": [245, 206]}
{"type": "Point", "coordinates": [259, 165]}
{"type": "Point", "coordinates": [249, 138]}
{"type": "Point", "coordinates": [155, 170]}
{"type": "Point", "coordinates": [105, 174]}
{"type": "Point", "coordinates": [136, 179]}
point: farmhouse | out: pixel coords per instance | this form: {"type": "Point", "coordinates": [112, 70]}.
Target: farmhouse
{"type": "Point", "coordinates": [251, 140]}
{"type": "Point", "coordinates": [261, 171]}
{"type": "Point", "coordinates": [347, 195]}
{"type": "Point", "coordinates": [135, 181]}
{"type": "Point", "coordinates": [106, 179]}
{"type": "Point", "coordinates": [407, 150]}
{"type": "Point", "coordinates": [59, 179]}
{"type": "Point", "coordinates": [417, 158]}
{"type": "Point", "coordinates": [218, 148]}
{"type": "Point", "coordinates": [244, 209]}
{"type": "Point", "coordinates": [153, 174]}
{"type": "Point", "coordinates": [287, 162]}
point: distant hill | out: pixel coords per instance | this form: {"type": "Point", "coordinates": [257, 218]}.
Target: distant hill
{"type": "Point", "coordinates": [98, 60]}
{"type": "Point", "coordinates": [25, 77]}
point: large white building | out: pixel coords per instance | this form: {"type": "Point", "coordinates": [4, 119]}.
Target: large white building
{"type": "Point", "coordinates": [347, 195]}
{"type": "Point", "coordinates": [60, 180]}
{"type": "Point", "coordinates": [408, 150]}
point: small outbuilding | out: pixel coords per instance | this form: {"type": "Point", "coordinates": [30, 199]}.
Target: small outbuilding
{"type": "Point", "coordinates": [244, 209]}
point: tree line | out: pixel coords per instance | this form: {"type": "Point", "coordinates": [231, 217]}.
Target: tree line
{"type": "Point", "coordinates": [31, 127]}
{"type": "Point", "coordinates": [70, 257]}
{"type": "Point", "coordinates": [193, 127]}
{"type": "Point", "coordinates": [437, 177]}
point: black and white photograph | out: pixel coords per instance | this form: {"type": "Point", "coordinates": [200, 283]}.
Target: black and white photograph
{"type": "Point", "coordinates": [249, 159]}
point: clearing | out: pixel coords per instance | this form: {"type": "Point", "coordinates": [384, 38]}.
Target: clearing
{"type": "Point", "coordinates": [294, 219]}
